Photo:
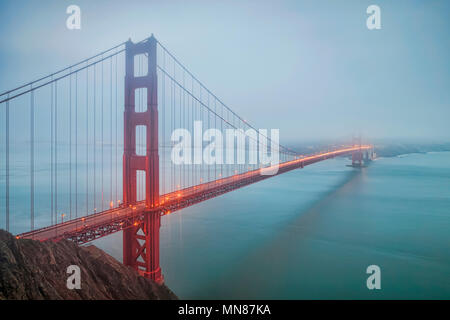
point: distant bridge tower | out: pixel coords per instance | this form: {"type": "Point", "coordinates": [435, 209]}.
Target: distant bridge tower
{"type": "Point", "coordinates": [141, 241]}
{"type": "Point", "coordinates": [357, 156]}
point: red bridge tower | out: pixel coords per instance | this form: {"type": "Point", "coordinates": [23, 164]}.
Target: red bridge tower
{"type": "Point", "coordinates": [141, 242]}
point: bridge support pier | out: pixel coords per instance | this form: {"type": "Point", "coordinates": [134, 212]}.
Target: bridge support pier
{"type": "Point", "coordinates": [357, 159]}
{"type": "Point", "coordinates": [141, 247]}
{"type": "Point", "coordinates": [361, 158]}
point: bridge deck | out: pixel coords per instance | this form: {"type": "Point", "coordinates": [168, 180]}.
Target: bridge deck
{"type": "Point", "coordinates": [97, 225]}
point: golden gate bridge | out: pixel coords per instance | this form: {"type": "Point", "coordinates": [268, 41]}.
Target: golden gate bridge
{"type": "Point", "coordinates": [92, 142]}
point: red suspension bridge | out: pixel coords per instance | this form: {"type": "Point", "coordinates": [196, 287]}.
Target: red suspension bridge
{"type": "Point", "coordinates": [81, 169]}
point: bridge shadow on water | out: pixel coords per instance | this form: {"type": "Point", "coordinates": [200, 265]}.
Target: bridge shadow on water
{"type": "Point", "coordinates": [277, 269]}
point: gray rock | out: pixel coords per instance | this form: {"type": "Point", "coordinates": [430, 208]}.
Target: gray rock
{"type": "Point", "coordinates": [37, 270]}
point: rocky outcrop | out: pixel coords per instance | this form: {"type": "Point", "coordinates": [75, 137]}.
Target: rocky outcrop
{"type": "Point", "coordinates": [38, 270]}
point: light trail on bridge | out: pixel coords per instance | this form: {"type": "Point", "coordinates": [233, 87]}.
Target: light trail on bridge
{"type": "Point", "coordinates": [94, 226]}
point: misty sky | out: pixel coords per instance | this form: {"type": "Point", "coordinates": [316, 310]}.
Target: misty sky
{"type": "Point", "coordinates": [310, 68]}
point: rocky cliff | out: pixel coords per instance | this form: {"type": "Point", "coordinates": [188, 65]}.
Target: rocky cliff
{"type": "Point", "coordinates": [38, 270]}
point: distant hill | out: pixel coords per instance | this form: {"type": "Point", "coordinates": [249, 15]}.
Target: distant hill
{"type": "Point", "coordinates": [395, 149]}
{"type": "Point", "coordinates": [38, 270]}
{"type": "Point", "coordinates": [382, 148]}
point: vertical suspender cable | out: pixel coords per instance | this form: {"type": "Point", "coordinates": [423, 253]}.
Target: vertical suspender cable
{"type": "Point", "coordinates": [7, 164]}
{"type": "Point", "coordinates": [110, 134]}
{"type": "Point", "coordinates": [184, 127]}
{"type": "Point", "coordinates": [102, 115]}
{"type": "Point", "coordinates": [201, 119]}
{"type": "Point", "coordinates": [70, 145]}
{"type": "Point", "coordinates": [196, 119]}
{"type": "Point", "coordinates": [193, 119]}
{"type": "Point", "coordinates": [32, 159]}
{"type": "Point", "coordinates": [215, 127]}
{"type": "Point", "coordinates": [76, 144]}
{"type": "Point", "coordinates": [224, 154]}
{"type": "Point", "coordinates": [56, 152]}
{"type": "Point", "coordinates": [179, 117]}
{"type": "Point", "coordinates": [209, 127]}
{"type": "Point", "coordinates": [117, 199]}
{"type": "Point", "coordinates": [51, 152]}
{"type": "Point", "coordinates": [95, 140]}
{"type": "Point", "coordinates": [172, 126]}
{"type": "Point", "coordinates": [163, 77]}
{"type": "Point", "coordinates": [87, 140]}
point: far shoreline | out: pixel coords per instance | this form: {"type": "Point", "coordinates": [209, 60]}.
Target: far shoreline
{"type": "Point", "coordinates": [390, 151]}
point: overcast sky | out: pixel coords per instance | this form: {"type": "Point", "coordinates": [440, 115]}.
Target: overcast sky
{"type": "Point", "coordinates": [310, 68]}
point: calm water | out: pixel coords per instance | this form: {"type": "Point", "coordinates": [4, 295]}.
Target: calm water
{"type": "Point", "coordinates": [312, 233]}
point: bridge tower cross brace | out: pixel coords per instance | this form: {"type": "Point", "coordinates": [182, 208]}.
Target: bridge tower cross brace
{"type": "Point", "coordinates": [141, 240]}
